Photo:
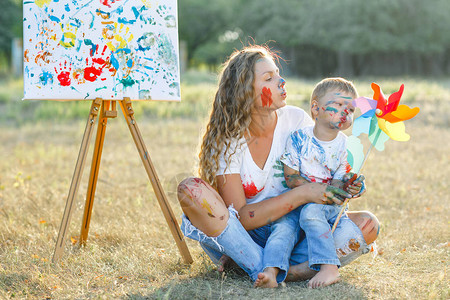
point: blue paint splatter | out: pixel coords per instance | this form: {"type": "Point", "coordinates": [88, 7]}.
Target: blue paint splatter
{"type": "Point", "coordinates": [88, 42]}
{"type": "Point", "coordinates": [92, 22]}
{"type": "Point", "coordinates": [125, 21]}
{"type": "Point", "coordinates": [146, 41]}
{"type": "Point", "coordinates": [135, 11]}
{"type": "Point", "coordinates": [114, 62]}
{"type": "Point", "coordinates": [66, 7]}
{"type": "Point", "coordinates": [119, 10]}
{"type": "Point", "coordinates": [46, 78]}
{"type": "Point", "coordinates": [126, 50]}
{"type": "Point", "coordinates": [103, 12]}
{"type": "Point", "coordinates": [75, 23]}
{"type": "Point", "coordinates": [54, 19]}
{"type": "Point", "coordinates": [129, 63]}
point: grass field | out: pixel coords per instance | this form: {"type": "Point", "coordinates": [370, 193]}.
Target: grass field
{"type": "Point", "coordinates": [130, 253]}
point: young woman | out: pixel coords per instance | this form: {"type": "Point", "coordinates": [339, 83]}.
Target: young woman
{"type": "Point", "coordinates": [230, 209]}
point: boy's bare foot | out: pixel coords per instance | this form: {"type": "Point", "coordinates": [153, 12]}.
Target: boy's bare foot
{"type": "Point", "coordinates": [223, 262]}
{"type": "Point", "coordinates": [267, 279]}
{"type": "Point", "coordinates": [327, 275]}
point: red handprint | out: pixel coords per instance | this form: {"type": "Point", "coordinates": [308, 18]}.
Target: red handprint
{"type": "Point", "coordinates": [64, 73]}
{"type": "Point", "coordinates": [95, 68]}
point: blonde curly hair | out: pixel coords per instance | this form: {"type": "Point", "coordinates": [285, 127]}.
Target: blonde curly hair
{"type": "Point", "coordinates": [231, 113]}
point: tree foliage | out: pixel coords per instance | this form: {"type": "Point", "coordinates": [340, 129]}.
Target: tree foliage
{"type": "Point", "coordinates": [318, 37]}
{"type": "Point", "coordinates": [10, 23]}
{"type": "Point", "coordinates": [202, 22]}
{"type": "Point", "coordinates": [321, 35]}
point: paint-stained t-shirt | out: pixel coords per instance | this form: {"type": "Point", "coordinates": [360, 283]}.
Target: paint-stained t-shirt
{"type": "Point", "coordinates": [317, 161]}
{"type": "Point", "coordinates": [260, 184]}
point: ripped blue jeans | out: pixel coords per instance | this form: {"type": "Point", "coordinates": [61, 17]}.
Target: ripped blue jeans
{"type": "Point", "coordinates": [316, 221]}
{"type": "Point", "coordinates": [247, 248]}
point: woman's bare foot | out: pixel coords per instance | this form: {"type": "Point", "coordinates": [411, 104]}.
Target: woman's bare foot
{"type": "Point", "coordinates": [300, 272]}
{"type": "Point", "coordinates": [327, 275]}
{"type": "Point", "coordinates": [223, 262]}
{"type": "Point", "coordinates": [267, 279]}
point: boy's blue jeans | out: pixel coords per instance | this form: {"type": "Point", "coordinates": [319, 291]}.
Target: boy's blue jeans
{"type": "Point", "coordinates": [247, 248]}
{"type": "Point", "coordinates": [316, 220]}
{"type": "Point", "coordinates": [278, 239]}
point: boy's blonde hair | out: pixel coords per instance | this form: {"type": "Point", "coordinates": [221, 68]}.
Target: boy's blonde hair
{"type": "Point", "coordinates": [330, 84]}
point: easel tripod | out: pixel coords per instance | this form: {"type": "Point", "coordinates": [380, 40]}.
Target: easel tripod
{"type": "Point", "coordinates": [105, 109]}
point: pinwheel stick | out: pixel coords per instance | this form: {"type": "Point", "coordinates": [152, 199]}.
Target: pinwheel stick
{"type": "Point", "coordinates": [344, 205]}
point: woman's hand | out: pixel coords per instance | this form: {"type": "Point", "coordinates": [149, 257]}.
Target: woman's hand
{"type": "Point", "coordinates": [353, 185]}
{"type": "Point", "coordinates": [322, 193]}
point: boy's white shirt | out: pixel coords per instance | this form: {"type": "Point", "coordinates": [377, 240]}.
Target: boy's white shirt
{"type": "Point", "coordinates": [260, 184]}
{"type": "Point", "coordinates": [317, 161]}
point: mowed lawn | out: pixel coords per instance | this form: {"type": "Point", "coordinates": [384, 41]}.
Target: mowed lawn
{"type": "Point", "coordinates": [130, 252]}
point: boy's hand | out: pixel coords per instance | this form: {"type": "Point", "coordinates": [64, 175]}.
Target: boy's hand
{"type": "Point", "coordinates": [354, 185]}
{"type": "Point", "coordinates": [322, 193]}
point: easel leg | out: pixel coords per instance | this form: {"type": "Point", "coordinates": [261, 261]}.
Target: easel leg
{"type": "Point", "coordinates": [59, 248]}
{"type": "Point", "coordinates": [151, 172]}
{"type": "Point", "coordinates": [96, 158]}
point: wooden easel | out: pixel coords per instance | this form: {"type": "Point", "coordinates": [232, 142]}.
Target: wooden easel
{"type": "Point", "coordinates": [107, 109]}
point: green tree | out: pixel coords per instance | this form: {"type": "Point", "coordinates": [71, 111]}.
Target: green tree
{"type": "Point", "coordinates": [202, 22]}
{"type": "Point", "coordinates": [399, 28]}
{"type": "Point", "coordinates": [10, 25]}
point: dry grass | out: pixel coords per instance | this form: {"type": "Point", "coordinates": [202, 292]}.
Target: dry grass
{"type": "Point", "coordinates": [131, 254]}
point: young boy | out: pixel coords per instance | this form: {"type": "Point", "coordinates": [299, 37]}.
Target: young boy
{"type": "Point", "coordinates": [319, 154]}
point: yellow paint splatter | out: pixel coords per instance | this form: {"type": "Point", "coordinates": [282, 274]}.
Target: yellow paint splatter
{"type": "Point", "coordinates": [146, 3]}
{"type": "Point", "coordinates": [69, 36]}
{"type": "Point", "coordinates": [206, 206]}
{"type": "Point", "coordinates": [121, 34]}
{"type": "Point", "coordinates": [41, 3]}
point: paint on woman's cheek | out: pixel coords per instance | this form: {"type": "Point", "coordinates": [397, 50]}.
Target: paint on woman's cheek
{"type": "Point", "coordinates": [266, 97]}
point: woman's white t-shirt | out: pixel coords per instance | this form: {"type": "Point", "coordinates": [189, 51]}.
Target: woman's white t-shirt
{"type": "Point", "coordinates": [260, 184]}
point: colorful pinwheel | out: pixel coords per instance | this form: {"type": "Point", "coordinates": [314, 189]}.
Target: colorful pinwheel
{"type": "Point", "coordinates": [381, 119]}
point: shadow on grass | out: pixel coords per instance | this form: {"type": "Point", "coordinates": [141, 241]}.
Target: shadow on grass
{"type": "Point", "coordinates": [235, 284]}
{"type": "Point", "coordinates": [19, 285]}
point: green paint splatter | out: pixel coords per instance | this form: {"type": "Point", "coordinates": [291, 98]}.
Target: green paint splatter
{"type": "Point", "coordinates": [127, 82]}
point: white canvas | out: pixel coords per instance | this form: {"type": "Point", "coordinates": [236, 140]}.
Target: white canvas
{"type": "Point", "coordinates": [85, 49]}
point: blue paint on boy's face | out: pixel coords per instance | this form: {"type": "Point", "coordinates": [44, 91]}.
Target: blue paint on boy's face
{"type": "Point", "coordinates": [337, 112]}
{"type": "Point", "coordinates": [331, 109]}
